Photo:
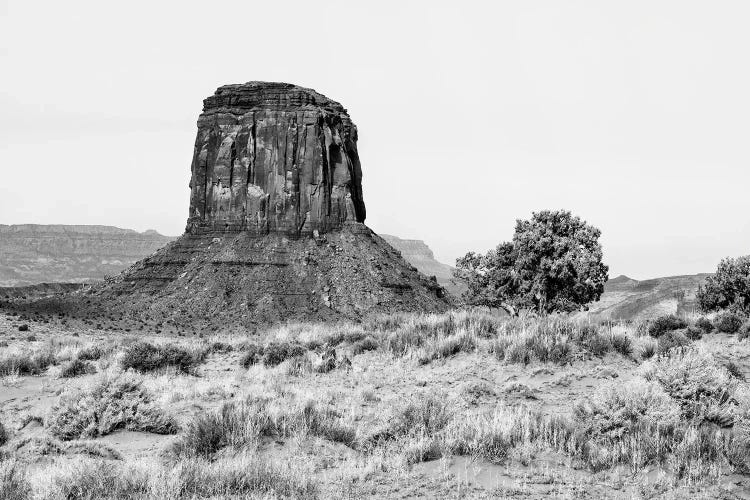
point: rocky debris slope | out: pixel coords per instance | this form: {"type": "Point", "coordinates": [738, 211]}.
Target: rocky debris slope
{"type": "Point", "coordinates": [31, 253]}
{"type": "Point", "coordinates": [275, 230]}
{"type": "Point", "coordinates": [418, 254]}
{"type": "Point", "coordinates": [628, 299]}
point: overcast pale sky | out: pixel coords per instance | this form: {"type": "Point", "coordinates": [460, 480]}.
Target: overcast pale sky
{"type": "Point", "coordinates": [634, 115]}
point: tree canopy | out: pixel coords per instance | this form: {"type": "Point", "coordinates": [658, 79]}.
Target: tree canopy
{"type": "Point", "coordinates": [553, 263]}
{"type": "Point", "coordinates": [728, 288]}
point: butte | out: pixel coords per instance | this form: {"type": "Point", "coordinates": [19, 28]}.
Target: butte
{"type": "Point", "coordinates": [275, 229]}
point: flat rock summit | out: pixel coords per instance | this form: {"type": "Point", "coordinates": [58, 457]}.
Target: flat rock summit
{"type": "Point", "coordinates": [275, 230]}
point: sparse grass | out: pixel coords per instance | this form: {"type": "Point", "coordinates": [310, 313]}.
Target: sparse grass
{"type": "Point", "coordinates": [3, 434]}
{"type": "Point", "coordinates": [14, 483]}
{"type": "Point", "coordinates": [145, 357]}
{"type": "Point", "coordinates": [114, 402]}
{"type": "Point", "coordinates": [245, 476]}
{"type": "Point", "coordinates": [241, 425]}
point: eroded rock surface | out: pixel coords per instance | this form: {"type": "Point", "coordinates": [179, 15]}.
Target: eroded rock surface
{"type": "Point", "coordinates": [274, 157]}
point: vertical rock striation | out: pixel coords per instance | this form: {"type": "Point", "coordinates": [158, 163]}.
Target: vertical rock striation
{"type": "Point", "coordinates": [274, 158]}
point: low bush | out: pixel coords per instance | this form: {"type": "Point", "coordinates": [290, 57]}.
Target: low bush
{"type": "Point", "coordinates": [598, 344]}
{"type": "Point", "coordinates": [693, 379]}
{"type": "Point", "coordinates": [91, 353]}
{"type": "Point", "coordinates": [744, 332]}
{"type": "Point", "coordinates": [277, 352]}
{"type": "Point", "coordinates": [221, 347]}
{"type": "Point", "coordinates": [622, 344]}
{"type": "Point", "coordinates": [118, 402]}
{"type": "Point", "coordinates": [251, 354]}
{"type": "Point", "coordinates": [76, 368]}
{"type": "Point", "coordinates": [26, 362]}
{"type": "Point", "coordinates": [145, 357]}
{"type": "Point", "coordinates": [426, 414]}
{"type": "Point", "coordinates": [728, 322]}
{"type": "Point", "coordinates": [693, 332]}
{"type": "Point", "coordinates": [672, 340]}
{"type": "Point", "coordinates": [664, 324]}
{"type": "Point", "coordinates": [648, 348]}
{"type": "Point", "coordinates": [704, 324]}
{"type": "Point", "coordinates": [368, 343]}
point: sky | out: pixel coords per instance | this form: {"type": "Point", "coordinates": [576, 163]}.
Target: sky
{"type": "Point", "coordinates": [633, 115]}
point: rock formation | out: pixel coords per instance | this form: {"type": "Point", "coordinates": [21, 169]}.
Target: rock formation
{"type": "Point", "coordinates": [274, 157]}
{"type": "Point", "coordinates": [275, 230]}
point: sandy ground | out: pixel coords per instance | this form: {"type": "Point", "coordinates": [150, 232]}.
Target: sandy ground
{"type": "Point", "coordinates": [376, 383]}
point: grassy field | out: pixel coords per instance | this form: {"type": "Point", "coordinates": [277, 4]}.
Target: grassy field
{"type": "Point", "coordinates": [456, 405]}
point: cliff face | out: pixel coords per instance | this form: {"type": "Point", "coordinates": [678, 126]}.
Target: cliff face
{"type": "Point", "coordinates": [31, 253]}
{"type": "Point", "coordinates": [274, 157]}
{"type": "Point", "coordinates": [419, 255]}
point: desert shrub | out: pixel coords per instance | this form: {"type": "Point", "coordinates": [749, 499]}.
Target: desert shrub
{"type": "Point", "coordinates": [221, 347]}
{"type": "Point", "coordinates": [598, 344]}
{"type": "Point", "coordinates": [622, 344]}
{"type": "Point", "coordinates": [734, 370]}
{"type": "Point", "coordinates": [664, 324]}
{"type": "Point", "coordinates": [301, 365]}
{"type": "Point", "coordinates": [671, 340]}
{"type": "Point", "coordinates": [517, 352]}
{"type": "Point", "coordinates": [76, 368]}
{"type": "Point", "coordinates": [26, 362]}
{"type": "Point", "coordinates": [118, 402]}
{"type": "Point", "coordinates": [624, 414]}
{"type": "Point", "coordinates": [499, 346]}
{"type": "Point", "coordinates": [693, 379]}
{"type": "Point", "coordinates": [728, 322]}
{"type": "Point", "coordinates": [648, 348]}
{"type": "Point", "coordinates": [369, 343]}
{"type": "Point", "coordinates": [277, 352]}
{"type": "Point", "coordinates": [91, 353]}
{"type": "Point", "coordinates": [493, 436]}
{"type": "Point", "coordinates": [252, 354]}
{"type": "Point", "coordinates": [404, 339]}
{"type": "Point", "coordinates": [693, 332]}
{"type": "Point", "coordinates": [232, 425]}
{"type": "Point", "coordinates": [23, 328]}
{"type": "Point", "coordinates": [427, 414]}
{"type": "Point", "coordinates": [744, 332]}
{"type": "Point", "coordinates": [14, 484]}
{"type": "Point", "coordinates": [446, 347]}
{"type": "Point", "coordinates": [145, 357]}
{"type": "Point", "coordinates": [704, 324]}
{"type": "Point", "coordinates": [3, 434]}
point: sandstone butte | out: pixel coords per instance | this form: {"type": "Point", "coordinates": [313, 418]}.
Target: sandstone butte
{"type": "Point", "coordinates": [275, 229]}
